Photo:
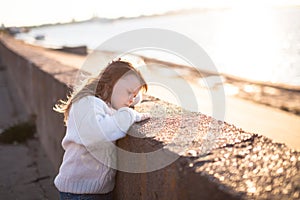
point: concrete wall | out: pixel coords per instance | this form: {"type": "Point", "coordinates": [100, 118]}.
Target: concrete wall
{"type": "Point", "coordinates": [239, 165]}
{"type": "Point", "coordinates": [37, 81]}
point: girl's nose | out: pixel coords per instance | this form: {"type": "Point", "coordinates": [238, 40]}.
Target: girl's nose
{"type": "Point", "coordinates": [131, 99]}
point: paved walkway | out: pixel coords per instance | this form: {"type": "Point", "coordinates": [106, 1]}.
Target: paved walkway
{"type": "Point", "coordinates": [25, 171]}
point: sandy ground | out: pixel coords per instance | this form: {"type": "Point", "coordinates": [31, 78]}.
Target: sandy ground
{"type": "Point", "coordinates": [279, 125]}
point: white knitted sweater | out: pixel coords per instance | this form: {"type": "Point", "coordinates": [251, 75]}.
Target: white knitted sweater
{"type": "Point", "coordinates": [89, 160]}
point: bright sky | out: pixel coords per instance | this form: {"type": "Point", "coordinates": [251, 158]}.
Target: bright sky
{"type": "Point", "coordinates": [36, 12]}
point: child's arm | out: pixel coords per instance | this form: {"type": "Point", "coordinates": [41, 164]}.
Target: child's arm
{"type": "Point", "coordinates": [95, 124]}
{"type": "Point", "coordinates": [117, 125]}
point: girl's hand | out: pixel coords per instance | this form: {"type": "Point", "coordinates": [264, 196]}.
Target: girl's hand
{"type": "Point", "coordinates": [145, 116]}
{"type": "Point", "coordinates": [142, 116]}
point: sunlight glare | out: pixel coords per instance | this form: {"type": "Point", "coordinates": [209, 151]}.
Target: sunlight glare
{"type": "Point", "coordinates": [247, 41]}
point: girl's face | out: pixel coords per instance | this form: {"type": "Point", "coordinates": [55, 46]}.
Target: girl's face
{"type": "Point", "coordinates": [124, 91]}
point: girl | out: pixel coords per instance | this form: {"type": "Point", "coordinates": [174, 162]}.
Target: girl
{"type": "Point", "coordinates": [96, 115]}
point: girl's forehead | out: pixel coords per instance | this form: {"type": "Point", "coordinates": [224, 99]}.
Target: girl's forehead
{"type": "Point", "coordinates": [128, 76]}
{"type": "Point", "coordinates": [131, 78]}
{"type": "Point", "coordinates": [130, 81]}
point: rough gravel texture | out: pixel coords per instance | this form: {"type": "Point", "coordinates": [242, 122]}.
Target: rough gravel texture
{"type": "Point", "coordinates": [239, 164]}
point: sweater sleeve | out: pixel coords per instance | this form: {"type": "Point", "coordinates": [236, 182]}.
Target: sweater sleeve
{"type": "Point", "coordinates": [116, 126]}
{"type": "Point", "coordinates": [94, 123]}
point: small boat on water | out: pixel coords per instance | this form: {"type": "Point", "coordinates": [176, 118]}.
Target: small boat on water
{"type": "Point", "coordinates": [81, 50]}
{"type": "Point", "coordinates": [39, 37]}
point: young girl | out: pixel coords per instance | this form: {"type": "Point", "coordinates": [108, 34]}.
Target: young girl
{"type": "Point", "coordinates": [96, 115]}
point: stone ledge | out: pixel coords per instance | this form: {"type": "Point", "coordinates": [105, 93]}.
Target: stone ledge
{"type": "Point", "coordinates": [235, 165]}
{"type": "Point", "coordinates": [26, 54]}
{"type": "Point", "coordinates": [38, 82]}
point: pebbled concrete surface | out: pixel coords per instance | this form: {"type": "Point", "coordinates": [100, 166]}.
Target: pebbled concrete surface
{"type": "Point", "coordinates": [255, 168]}
{"type": "Point", "coordinates": [232, 163]}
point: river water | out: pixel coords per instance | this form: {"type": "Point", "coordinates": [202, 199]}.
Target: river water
{"type": "Point", "coordinates": [255, 43]}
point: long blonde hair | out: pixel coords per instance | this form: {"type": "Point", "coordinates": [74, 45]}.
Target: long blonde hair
{"type": "Point", "coordinates": [100, 86]}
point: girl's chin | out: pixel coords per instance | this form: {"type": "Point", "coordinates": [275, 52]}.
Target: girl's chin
{"type": "Point", "coordinates": [118, 107]}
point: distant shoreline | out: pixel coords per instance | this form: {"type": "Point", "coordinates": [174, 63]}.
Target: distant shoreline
{"type": "Point", "coordinates": [168, 13]}
{"type": "Point", "coordinates": [109, 20]}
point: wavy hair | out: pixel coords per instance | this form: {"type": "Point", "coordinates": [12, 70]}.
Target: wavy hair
{"type": "Point", "coordinates": [100, 86]}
